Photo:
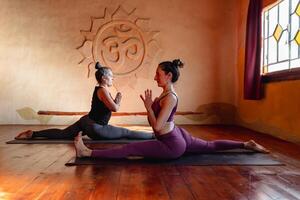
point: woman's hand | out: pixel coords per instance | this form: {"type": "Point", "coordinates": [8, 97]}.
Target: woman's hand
{"type": "Point", "coordinates": [118, 98]}
{"type": "Point", "coordinates": [147, 99]}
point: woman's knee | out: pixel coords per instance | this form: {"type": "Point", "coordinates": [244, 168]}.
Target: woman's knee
{"type": "Point", "coordinates": [92, 131]}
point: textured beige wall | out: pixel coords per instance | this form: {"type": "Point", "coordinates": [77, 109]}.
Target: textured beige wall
{"type": "Point", "coordinates": [39, 60]}
{"type": "Point", "coordinates": [277, 114]}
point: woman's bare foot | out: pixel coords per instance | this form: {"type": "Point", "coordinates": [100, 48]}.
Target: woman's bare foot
{"type": "Point", "coordinates": [24, 135]}
{"type": "Point", "coordinates": [81, 149]}
{"type": "Point", "coordinates": [252, 145]}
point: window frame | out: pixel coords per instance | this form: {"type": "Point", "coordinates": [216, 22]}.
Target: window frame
{"type": "Point", "coordinates": [282, 75]}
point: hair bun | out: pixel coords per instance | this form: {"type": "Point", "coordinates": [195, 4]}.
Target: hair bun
{"type": "Point", "coordinates": [97, 65]}
{"type": "Point", "coordinates": [177, 63]}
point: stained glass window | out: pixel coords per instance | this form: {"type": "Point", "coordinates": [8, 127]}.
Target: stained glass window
{"type": "Point", "coordinates": [281, 36]}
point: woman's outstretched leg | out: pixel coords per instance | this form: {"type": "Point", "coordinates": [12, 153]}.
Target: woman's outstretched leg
{"type": "Point", "coordinates": [52, 133]}
{"type": "Point", "coordinates": [97, 131]}
{"type": "Point", "coordinates": [133, 134]}
{"type": "Point", "coordinates": [68, 133]}
{"type": "Point", "coordinates": [202, 146]}
{"type": "Point", "coordinates": [197, 145]}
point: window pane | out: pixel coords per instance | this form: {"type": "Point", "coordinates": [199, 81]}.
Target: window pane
{"type": "Point", "coordinates": [278, 66]}
{"type": "Point", "coordinates": [283, 47]}
{"type": "Point", "coordinates": [294, 5]}
{"type": "Point", "coordinates": [272, 20]}
{"type": "Point", "coordinates": [295, 63]}
{"type": "Point", "coordinates": [294, 50]}
{"type": "Point", "coordinates": [265, 24]}
{"type": "Point", "coordinates": [284, 14]}
{"type": "Point", "coordinates": [265, 50]}
{"type": "Point", "coordinates": [294, 25]}
{"type": "Point", "coordinates": [272, 50]}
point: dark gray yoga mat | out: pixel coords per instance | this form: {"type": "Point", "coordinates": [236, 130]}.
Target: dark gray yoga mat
{"type": "Point", "coordinates": [217, 158]}
{"type": "Point", "coordinates": [85, 140]}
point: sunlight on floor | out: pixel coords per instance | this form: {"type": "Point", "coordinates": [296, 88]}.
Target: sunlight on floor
{"type": "Point", "coordinates": [4, 195]}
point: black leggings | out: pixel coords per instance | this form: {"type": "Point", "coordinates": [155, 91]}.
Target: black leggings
{"type": "Point", "coordinates": [93, 130]}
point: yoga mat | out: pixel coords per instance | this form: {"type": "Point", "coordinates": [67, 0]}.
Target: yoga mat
{"type": "Point", "coordinates": [85, 140]}
{"type": "Point", "coordinates": [217, 158]}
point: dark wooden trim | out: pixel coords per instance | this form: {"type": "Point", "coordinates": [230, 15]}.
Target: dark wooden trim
{"type": "Point", "coordinates": [61, 113]}
{"type": "Point", "coordinates": [284, 75]}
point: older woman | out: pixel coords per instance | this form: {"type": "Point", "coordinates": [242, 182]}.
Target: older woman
{"type": "Point", "coordinates": [95, 124]}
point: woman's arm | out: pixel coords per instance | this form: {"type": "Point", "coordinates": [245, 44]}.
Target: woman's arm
{"type": "Point", "coordinates": [167, 105]}
{"type": "Point", "coordinates": [112, 104]}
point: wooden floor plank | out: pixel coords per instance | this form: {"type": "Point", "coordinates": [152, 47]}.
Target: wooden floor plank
{"type": "Point", "coordinates": [176, 186]}
{"type": "Point", "coordinates": [199, 189]}
{"type": "Point", "coordinates": [141, 182]}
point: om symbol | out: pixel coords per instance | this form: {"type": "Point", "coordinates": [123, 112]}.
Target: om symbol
{"type": "Point", "coordinates": [120, 45]}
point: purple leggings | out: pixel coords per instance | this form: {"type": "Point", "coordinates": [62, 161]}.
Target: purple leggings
{"type": "Point", "coordinates": [168, 146]}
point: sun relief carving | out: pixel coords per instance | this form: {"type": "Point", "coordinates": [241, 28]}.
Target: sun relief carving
{"type": "Point", "coordinates": [121, 46]}
{"type": "Point", "coordinates": [121, 41]}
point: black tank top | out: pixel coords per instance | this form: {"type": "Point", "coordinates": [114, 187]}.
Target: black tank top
{"type": "Point", "coordinates": [99, 112]}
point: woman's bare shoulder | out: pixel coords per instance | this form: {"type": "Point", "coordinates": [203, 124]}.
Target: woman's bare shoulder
{"type": "Point", "coordinates": [169, 99]}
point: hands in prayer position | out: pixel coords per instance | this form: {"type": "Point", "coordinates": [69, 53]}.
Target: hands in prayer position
{"type": "Point", "coordinates": [147, 99]}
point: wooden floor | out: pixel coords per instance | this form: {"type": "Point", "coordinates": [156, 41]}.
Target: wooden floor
{"type": "Point", "coordinates": [37, 171]}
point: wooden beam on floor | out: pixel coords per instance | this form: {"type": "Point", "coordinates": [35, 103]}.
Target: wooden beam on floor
{"type": "Point", "coordinates": [63, 113]}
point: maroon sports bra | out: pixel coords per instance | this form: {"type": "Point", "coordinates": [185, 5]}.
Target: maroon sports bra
{"type": "Point", "coordinates": [156, 107]}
